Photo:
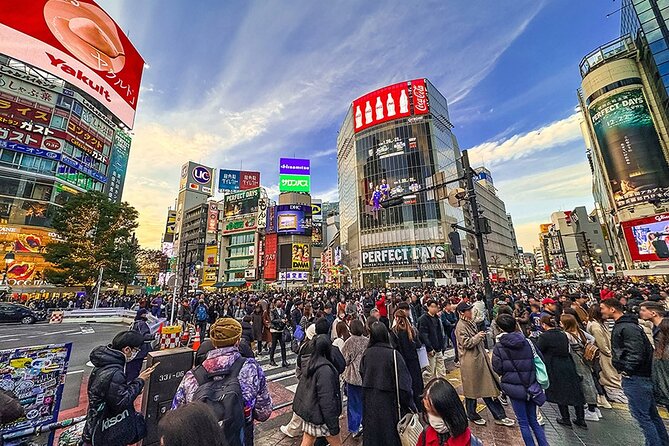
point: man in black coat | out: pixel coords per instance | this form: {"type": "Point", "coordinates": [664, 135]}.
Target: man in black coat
{"type": "Point", "coordinates": [632, 356]}
{"type": "Point", "coordinates": [107, 384]}
{"type": "Point", "coordinates": [432, 336]}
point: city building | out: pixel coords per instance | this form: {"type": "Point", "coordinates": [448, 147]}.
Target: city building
{"type": "Point", "coordinates": [625, 126]}
{"type": "Point", "coordinates": [391, 143]}
{"type": "Point", "coordinates": [65, 120]}
{"type": "Point", "coordinates": [539, 264]}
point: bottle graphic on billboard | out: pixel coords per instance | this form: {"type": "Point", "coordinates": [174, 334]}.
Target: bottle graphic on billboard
{"type": "Point", "coordinates": [390, 105]}
{"type": "Point", "coordinates": [630, 147]}
{"type": "Point", "coordinates": [404, 102]}
{"type": "Point", "coordinates": [368, 113]}
{"type": "Point", "coordinates": [379, 108]}
{"type": "Point", "coordinates": [358, 117]}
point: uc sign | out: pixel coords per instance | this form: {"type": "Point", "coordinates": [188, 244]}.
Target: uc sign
{"type": "Point", "coordinates": [201, 175]}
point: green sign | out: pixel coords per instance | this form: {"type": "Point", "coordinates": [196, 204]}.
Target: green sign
{"type": "Point", "coordinates": [294, 183]}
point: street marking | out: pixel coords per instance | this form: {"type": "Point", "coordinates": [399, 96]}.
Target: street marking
{"type": "Point", "coordinates": [292, 388]}
{"type": "Point", "coordinates": [10, 340]}
{"type": "Point", "coordinates": [52, 333]}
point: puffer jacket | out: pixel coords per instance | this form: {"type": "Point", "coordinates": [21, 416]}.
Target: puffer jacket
{"type": "Point", "coordinates": [107, 385]}
{"type": "Point", "coordinates": [317, 398]}
{"type": "Point", "coordinates": [630, 347]}
{"type": "Point", "coordinates": [513, 361]}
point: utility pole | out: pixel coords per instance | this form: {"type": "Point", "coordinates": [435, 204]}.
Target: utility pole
{"type": "Point", "coordinates": [593, 273]}
{"type": "Point", "coordinates": [478, 230]}
{"type": "Point", "coordinates": [97, 290]}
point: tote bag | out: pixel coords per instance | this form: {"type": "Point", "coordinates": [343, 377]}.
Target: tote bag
{"type": "Point", "coordinates": [540, 369]}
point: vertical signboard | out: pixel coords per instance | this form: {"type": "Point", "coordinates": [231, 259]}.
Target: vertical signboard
{"type": "Point", "coordinates": [228, 180]}
{"type": "Point", "coordinates": [212, 217]}
{"type": "Point", "coordinates": [118, 166]}
{"type": "Point", "coordinates": [170, 226]}
{"type": "Point", "coordinates": [630, 147]}
{"type": "Point", "coordinates": [294, 175]}
{"type": "Point", "coordinates": [271, 247]}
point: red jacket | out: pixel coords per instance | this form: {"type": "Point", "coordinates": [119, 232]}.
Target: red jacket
{"type": "Point", "coordinates": [381, 306]}
{"type": "Point", "coordinates": [606, 294]}
{"type": "Point", "coordinates": [429, 437]}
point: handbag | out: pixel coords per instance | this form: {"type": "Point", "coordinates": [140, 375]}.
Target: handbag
{"type": "Point", "coordinates": [539, 368]}
{"type": "Point", "coordinates": [590, 352]}
{"type": "Point", "coordinates": [118, 429]}
{"type": "Point", "coordinates": [287, 335]}
{"type": "Point", "coordinates": [409, 427]}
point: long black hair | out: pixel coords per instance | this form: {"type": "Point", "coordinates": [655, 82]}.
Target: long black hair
{"type": "Point", "coordinates": [193, 423]}
{"type": "Point", "coordinates": [322, 349]}
{"type": "Point", "coordinates": [378, 334]}
{"type": "Point", "coordinates": [446, 402]}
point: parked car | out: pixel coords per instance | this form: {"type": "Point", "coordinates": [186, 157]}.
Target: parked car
{"type": "Point", "coordinates": [11, 312]}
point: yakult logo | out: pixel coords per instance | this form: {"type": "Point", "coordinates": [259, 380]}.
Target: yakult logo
{"type": "Point", "coordinates": [201, 175]}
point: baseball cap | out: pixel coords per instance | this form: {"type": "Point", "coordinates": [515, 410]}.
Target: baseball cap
{"type": "Point", "coordinates": [463, 306]}
{"type": "Point", "coordinates": [547, 301]}
{"type": "Point", "coordinates": [128, 338]}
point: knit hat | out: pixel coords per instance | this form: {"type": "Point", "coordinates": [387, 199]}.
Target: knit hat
{"type": "Point", "coordinates": [225, 332]}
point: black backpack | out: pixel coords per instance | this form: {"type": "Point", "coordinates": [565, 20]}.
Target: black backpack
{"type": "Point", "coordinates": [222, 392]}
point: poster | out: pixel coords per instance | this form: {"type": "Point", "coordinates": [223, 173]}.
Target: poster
{"type": "Point", "coordinates": [301, 257]}
{"type": "Point", "coordinates": [293, 219]}
{"type": "Point", "coordinates": [630, 148]}
{"type": "Point", "coordinates": [241, 203]}
{"type": "Point", "coordinates": [648, 238]}
{"type": "Point", "coordinates": [37, 376]}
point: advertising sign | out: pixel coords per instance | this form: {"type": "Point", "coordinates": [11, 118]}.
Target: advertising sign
{"type": "Point", "coordinates": [317, 234]}
{"type": "Point", "coordinates": [293, 275]}
{"type": "Point", "coordinates": [270, 228]}
{"type": "Point", "coordinates": [241, 203]}
{"type": "Point", "coordinates": [294, 183]}
{"type": "Point", "coordinates": [388, 103]}
{"type": "Point", "coordinates": [317, 210]}
{"type": "Point", "coordinates": [79, 43]}
{"type": "Point", "coordinates": [630, 147]}
{"type": "Point", "coordinates": [294, 166]}
{"type": "Point", "coordinates": [197, 177]}
{"type": "Point", "coordinates": [36, 375]}
{"type": "Point", "coordinates": [270, 260]}
{"type": "Point", "coordinates": [170, 225]}
{"type": "Point", "coordinates": [239, 224]}
{"type": "Point", "coordinates": [19, 83]}
{"type": "Point", "coordinates": [293, 219]}
{"type": "Point", "coordinates": [648, 238]}
{"type": "Point", "coordinates": [300, 257]}
{"type": "Point", "coordinates": [118, 165]}
{"type": "Point", "coordinates": [212, 217]}
{"type": "Point", "coordinates": [28, 243]}
{"type": "Point", "coordinates": [228, 180]}
{"type": "Point", "coordinates": [249, 180]}
{"type": "Point", "coordinates": [405, 255]}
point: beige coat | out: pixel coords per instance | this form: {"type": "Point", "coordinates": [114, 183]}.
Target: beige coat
{"type": "Point", "coordinates": [609, 376]}
{"type": "Point", "coordinates": [478, 379]}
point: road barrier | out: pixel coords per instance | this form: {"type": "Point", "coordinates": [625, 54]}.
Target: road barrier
{"type": "Point", "coordinates": [109, 316]}
{"type": "Point", "coordinates": [56, 317]}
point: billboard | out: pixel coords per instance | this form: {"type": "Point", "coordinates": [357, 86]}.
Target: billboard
{"type": "Point", "coordinates": [630, 147]}
{"type": "Point", "coordinates": [293, 219]}
{"type": "Point", "coordinates": [212, 217]}
{"type": "Point", "coordinates": [648, 238]}
{"type": "Point", "coordinates": [196, 177]}
{"type": "Point", "coordinates": [300, 276]}
{"type": "Point", "coordinates": [294, 166]}
{"type": "Point", "coordinates": [294, 183]}
{"type": "Point", "coordinates": [300, 257]}
{"type": "Point", "coordinates": [79, 43]}
{"type": "Point", "coordinates": [28, 243]}
{"type": "Point", "coordinates": [317, 210]}
{"type": "Point", "coordinates": [237, 180]}
{"type": "Point", "coordinates": [241, 203]}
{"type": "Point", "coordinates": [170, 226]}
{"type": "Point", "coordinates": [392, 102]}
{"type": "Point", "coordinates": [239, 224]}
{"type": "Point", "coordinates": [317, 234]}
{"type": "Point", "coordinates": [118, 165]}
{"type": "Point", "coordinates": [270, 260]}
{"type": "Point", "coordinates": [406, 255]}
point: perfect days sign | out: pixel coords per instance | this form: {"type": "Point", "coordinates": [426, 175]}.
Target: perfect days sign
{"type": "Point", "coordinates": [404, 255]}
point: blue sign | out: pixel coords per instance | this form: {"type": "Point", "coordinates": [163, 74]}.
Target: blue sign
{"type": "Point", "coordinates": [81, 167]}
{"type": "Point", "coordinates": [228, 180]}
{"type": "Point", "coordinates": [201, 175]}
{"type": "Point", "coordinates": [294, 166]}
{"type": "Point", "coordinates": [293, 219]}
{"type": "Point", "coordinates": [9, 145]}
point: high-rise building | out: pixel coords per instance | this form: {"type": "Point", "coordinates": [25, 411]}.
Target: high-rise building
{"type": "Point", "coordinates": [67, 104]}
{"type": "Point", "coordinates": [391, 143]}
{"type": "Point", "coordinates": [625, 127]}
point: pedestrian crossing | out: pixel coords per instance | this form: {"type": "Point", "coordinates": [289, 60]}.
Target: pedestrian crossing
{"type": "Point", "coordinates": [285, 376]}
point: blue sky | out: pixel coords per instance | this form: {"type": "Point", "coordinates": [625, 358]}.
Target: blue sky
{"type": "Point", "coordinates": [242, 83]}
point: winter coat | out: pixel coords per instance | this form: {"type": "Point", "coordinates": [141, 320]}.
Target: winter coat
{"type": "Point", "coordinates": [407, 348]}
{"type": "Point", "coordinates": [479, 380]}
{"type": "Point", "coordinates": [352, 351]}
{"type": "Point", "coordinates": [565, 384]}
{"type": "Point", "coordinates": [608, 376]}
{"type": "Point", "coordinates": [317, 399]}
{"type": "Point", "coordinates": [257, 326]}
{"type": "Point", "coordinates": [247, 332]}
{"type": "Point", "coordinates": [431, 333]}
{"type": "Point", "coordinates": [430, 437]}
{"type": "Point", "coordinates": [513, 361]}
{"type": "Point", "coordinates": [577, 347]}
{"type": "Point", "coordinates": [107, 384]}
{"type": "Point", "coordinates": [266, 322]}
{"type": "Point", "coordinates": [632, 351]}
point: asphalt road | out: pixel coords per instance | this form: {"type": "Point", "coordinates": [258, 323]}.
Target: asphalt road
{"type": "Point", "coordinates": [84, 338]}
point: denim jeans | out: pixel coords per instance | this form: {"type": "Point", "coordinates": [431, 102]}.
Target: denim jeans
{"type": "Point", "coordinates": [354, 407]}
{"type": "Point", "coordinates": [526, 413]}
{"type": "Point", "coordinates": [494, 406]}
{"type": "Point", "coordinates": [640, 399]}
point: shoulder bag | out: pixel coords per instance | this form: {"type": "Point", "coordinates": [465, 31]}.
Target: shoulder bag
{"type": "Point", "coordinates": [539, 368]}
{"type": "Point", "coordinates": [409, 427]}
{"type": "Point", "coordinates": [590, 350]}
{"type": "Point", "coordinates": [118, 428]}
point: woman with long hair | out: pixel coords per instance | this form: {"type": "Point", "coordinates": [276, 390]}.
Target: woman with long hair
{"type": "Point", "coordinates": [194, 423]}
{"type": "Point", "coordinates": [317, 398]}
{"type": "Point", "coordinates": [608, 376]}
{"type": "Point", "coordinates": [578, 339]}
{"type": "Point", "coordinates": [353, 349]}
{"type": "Point", "coordinates": [385, 380]}
{"type": "Point", "coordinates": [342, 334]}
{"type": "Point", "coordinates": [407, 341]}
{"type": "Point", "coordinates": [447, 420]}
{"type": "Point", "coordinates": [661, 364]}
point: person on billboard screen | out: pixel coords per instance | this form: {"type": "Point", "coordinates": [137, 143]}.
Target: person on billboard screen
{"type": "Point", "coordinates": [385, 189]}
{"type": "Point", "coordinates": [375, 201]}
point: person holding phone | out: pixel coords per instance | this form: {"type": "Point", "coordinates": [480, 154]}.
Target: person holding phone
{"type": "Point", "coordinates": [108, 389]}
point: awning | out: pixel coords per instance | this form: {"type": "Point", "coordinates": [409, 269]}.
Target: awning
{"type": "Point", "coordinates": [231, 284]}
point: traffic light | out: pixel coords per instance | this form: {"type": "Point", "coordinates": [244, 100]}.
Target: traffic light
{"type": "Point", "coordinates": [454, 238]}
{"type": "Point", "coordinates": [484, 225]}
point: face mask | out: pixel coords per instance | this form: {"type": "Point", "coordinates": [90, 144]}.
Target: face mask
{"type": "Point", "coordinates": [437, 423]}
{"type": "Point", "coordinates": [133, 355]}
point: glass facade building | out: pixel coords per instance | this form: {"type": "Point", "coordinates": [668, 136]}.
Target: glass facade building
{"type": "Point", "coordinates": [406, 243]}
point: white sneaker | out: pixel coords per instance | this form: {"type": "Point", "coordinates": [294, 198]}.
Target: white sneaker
{"type": "Point", "coordinates": [598, 412]}
{"type": "Point", "coordinates": [508, 422]}
{"type": "Point", "coordinates": [540, 419]}
{"type": "Point", "coordinates": [284, 431]}
{"type": "Point", "coordinates": [479, 422]}
{"type": "Point", "coordinates": [591, 416]}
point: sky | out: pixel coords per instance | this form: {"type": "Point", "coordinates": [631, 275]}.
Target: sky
{"type": "Point", "coordinates": [239, 84]}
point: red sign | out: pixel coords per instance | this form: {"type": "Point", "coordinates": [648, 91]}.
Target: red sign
{"type": "Point", "coordinates": [212, 217]}
{"type": "Point", "coordinates": [19, 136]}
{"type": "Point", "coordinates": [78, 42]}
{"type": "Point", "coordinates": [24, 112]}
{"type": "Point", "coordinates": [648, 238]}
{"type": "Point", "coordinates": [271, 248]}
{"type": "Point", "coordinates": [84, 135]}
{"type": "Point", "coordinates": [248, 180]}
{"type": "Point", "coordinates": [389, 103]}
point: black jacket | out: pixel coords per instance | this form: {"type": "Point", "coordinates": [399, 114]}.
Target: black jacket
{"type": "Point", "coordinates": [304, 353]}
{"type": "Point", "coordinates": [431, 332]}
{"type": "Point", "coordinates": [631, 349]}
{"type": "Point", "coordinates": [318, 399]}
{"type": "Point", "coordinates": [107, 385]}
